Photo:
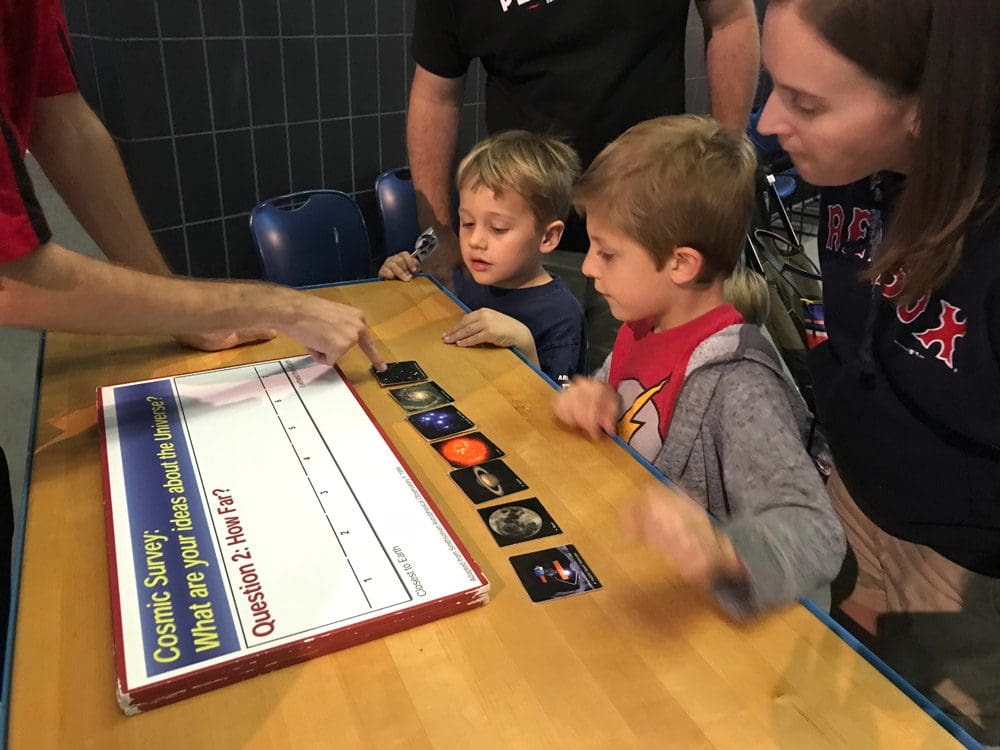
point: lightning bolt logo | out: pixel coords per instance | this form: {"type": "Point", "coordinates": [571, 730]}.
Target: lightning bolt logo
{"type": "Point", "coordinates": [628, 425]}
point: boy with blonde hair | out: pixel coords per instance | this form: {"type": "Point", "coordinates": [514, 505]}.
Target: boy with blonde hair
{"type": "Point", "coordinates": [689, 385]}
{"type": "Point", "coordinates": [515, 191]}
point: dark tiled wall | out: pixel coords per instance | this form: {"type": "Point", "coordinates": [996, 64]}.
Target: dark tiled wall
{"type": "Point", "coordinates": [218, 104]}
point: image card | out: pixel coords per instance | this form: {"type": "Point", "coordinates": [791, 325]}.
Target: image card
{"type": "Point", "coordinates": [519, 521]}
{"type": "Point", "coordinates": [400, 373]}
{"type": "Point", "coordinates": [439, 423]}
{"type": "Point", "coordinates": [422, 396]}
{"type": "Point", "coordinates": [467, 450]}
{"type": "Point", "coordinates": [488, 481]}
{"type": "Point", "coordinates": [554, 573]}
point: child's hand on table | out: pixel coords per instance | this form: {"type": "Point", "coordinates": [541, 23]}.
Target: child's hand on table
{"type": "Point", "coordinates": [487, 326]}
{"type": "Point", "coordinates": [400, 266]}
{"type": "Point", "coordinates": [588, 405]}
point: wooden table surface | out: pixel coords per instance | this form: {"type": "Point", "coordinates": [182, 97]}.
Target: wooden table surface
{"type": "Point", "coordinates": [642, 662]}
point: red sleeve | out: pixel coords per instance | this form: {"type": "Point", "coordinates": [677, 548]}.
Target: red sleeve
{"type": "Point", "coordinates": [40, 60]}
{"type": "Point", "coordinates": [55, 56]}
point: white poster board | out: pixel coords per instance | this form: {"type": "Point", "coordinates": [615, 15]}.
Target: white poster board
{"type": "Point", "coordinates": [257, 517]}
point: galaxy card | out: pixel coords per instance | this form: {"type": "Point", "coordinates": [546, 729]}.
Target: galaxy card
{"type": "Point", "coordinates": [488, 481]}
{"type": "Point", "coordinates": [519, 521]}
{"type": "Point", "coordinates": [427, 395]}
{"type": "Point", "coordinates": [399, 373]}
{"type": "Point", "coordinates": [439, 423]}
{"type": "Point", "coordinates": [554, 573]}
{"type": "Point", "coordinates": [467, 450]}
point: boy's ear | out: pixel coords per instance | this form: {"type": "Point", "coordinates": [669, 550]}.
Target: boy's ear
{"type": "Point", "coordinates": [551, 236]}
{"type": "Point", "coordinates": [684, 264]}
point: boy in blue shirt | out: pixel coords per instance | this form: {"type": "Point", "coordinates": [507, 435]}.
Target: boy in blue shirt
{"type": "Point", "coordinates": [515, 189]}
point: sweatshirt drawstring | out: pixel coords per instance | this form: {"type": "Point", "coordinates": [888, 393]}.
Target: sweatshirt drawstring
{"type": "Point", "coordinates": [866, 347]}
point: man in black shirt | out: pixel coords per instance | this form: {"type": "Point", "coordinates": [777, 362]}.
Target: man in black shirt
{"type": "Point", "coordinates": [581, 69]}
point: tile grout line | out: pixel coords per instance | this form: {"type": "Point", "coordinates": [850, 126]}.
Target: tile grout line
{"type": "Point", "coordinates": [215, 144]}
{"type": "Point", "coordinates": [319, 100]}
{"type": "Point", "coordinates": [284, 101]}
{"type": "Point", "coordinates": [246, 77]}
{"type": "Point", "coordinates": [350, 102]}
{"type": "Point", "coordinates": [173, 142]}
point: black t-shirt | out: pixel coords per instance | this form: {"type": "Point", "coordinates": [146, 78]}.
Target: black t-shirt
{"type": "Point", "coordinates": [586, 70]}
{"type": "Point", "coordinates": [909, 397]}
{"type": "Point", "coordinates": [550, 312]}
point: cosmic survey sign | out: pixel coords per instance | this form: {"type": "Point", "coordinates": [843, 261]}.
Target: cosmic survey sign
{"type": "Point", "coordinates": [257, 517]}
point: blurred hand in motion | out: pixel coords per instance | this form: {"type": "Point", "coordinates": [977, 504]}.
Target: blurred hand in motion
{"type": "Point", "coordinates": [588, 405]}
{"type": "Point", "coordinates": [682, 532]}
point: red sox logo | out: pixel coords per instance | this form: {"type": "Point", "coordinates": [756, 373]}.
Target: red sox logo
{"type": "Point", "coordinates": [940, 340]}
{"type": "Point", "coordinates": [861, 221]}
{"type": "Point", "coordinates": [945, 334]}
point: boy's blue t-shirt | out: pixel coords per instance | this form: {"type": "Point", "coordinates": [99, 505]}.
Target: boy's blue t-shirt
{"type": "Point", "coordinates": [550, 312]}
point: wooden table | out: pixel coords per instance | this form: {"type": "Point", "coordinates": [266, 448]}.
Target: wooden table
{"type": "Point", "coordinates": [642, 662]}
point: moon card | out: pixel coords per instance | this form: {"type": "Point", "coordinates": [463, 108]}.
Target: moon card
{"type": "Point", "coordinates": [399, 373]}
{"type": "Point", "coordinates": [422, 396]}
{"type": "Point", "coordinates": [488, 481]}
{"type": "Point", "coordinates": [467, 450]}
{"type": "Point", "coordinates": [519, 521]}
{"type": "Point", "coordinates": [438, 423]}
{"type": "Point", "coordinates": [554, 573]}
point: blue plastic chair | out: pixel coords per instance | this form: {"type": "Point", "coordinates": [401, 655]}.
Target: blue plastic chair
{"type": "Point", "coordinates": [311, 237]}
{"type": "Point", "coordinates": [397, 207]}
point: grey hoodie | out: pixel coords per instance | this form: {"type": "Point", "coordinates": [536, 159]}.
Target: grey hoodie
{"type": "Point", "coordinates": [736, 443]}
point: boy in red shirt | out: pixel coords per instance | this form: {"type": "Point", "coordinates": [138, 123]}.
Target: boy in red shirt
{"type": "Point", "coordinates": [688, 385]}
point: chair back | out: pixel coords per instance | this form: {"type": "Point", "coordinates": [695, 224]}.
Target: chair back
{"type": "Point", "coordinates": [311, 237]}
{"type": "Point", "coordinates": [397, 207]}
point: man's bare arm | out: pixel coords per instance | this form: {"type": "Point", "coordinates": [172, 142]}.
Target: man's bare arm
{"type": "Point", "coordinates": [732, 58]}
{"type": "Point", "coordinates": [81, 160]}
{"type": "Point", "coordinates": [55, 288]}
{"type": "Point", "coordinates": [431, 139]}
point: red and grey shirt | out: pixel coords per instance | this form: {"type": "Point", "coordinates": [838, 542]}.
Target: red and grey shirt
{"type": "Point", "coordinates": [35, 61]}
{"type": "Point", "coordinates": [648, 369]}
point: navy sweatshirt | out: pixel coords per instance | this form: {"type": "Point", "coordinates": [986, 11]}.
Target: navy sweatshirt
{"type": "Point", "coordinates": [909, 397]}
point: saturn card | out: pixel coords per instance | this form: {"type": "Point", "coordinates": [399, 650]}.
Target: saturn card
{"type": "Point", "coordinates": [488, 481]}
